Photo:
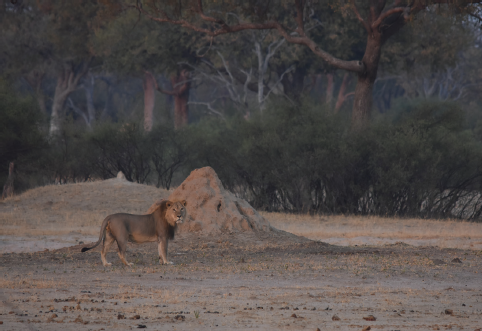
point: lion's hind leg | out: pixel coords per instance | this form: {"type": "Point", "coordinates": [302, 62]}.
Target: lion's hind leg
{"type": "Point", "coordinates": [122, 252]}
{"type": "Point", "coordinates": [108, 240]}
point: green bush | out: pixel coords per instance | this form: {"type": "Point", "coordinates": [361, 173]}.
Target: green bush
{"type": "Point", "coordinates": [21, 139]}
{"type": "Point", "coordinates": [416, 161]}
{"type": "Point", "coordinates": [420, 159]}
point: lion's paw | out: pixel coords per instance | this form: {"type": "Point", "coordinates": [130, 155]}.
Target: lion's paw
{"type": "Point", "coordinates": [107, 264]}
{"type": "Point", "coordinates": [168, 262]}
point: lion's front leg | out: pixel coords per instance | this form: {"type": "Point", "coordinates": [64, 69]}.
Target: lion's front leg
{"type": "Point", "coordinates": [162, 248]}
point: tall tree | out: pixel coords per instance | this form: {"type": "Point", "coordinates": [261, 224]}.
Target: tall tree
{"type": "Point", "coordinates": [380, 19]}
{"type": "Point", "coordinates": [131, 45]}
{"type": "Point", "coordinates": [49, 38]}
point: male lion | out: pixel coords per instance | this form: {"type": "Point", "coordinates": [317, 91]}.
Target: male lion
{"type": "Point", "coordinates": [158, 226]}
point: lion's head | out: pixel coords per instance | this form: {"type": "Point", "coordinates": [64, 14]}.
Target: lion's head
{"type": "Point", "coordinates": [175, 212]}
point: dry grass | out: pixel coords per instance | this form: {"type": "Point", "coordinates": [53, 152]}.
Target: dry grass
{"type": "Point", "coordinates": [63, 209]}
{"type": "Point", "coordinates": [445, 233]}
{"type": "Point", "coordinates": [78, 209]}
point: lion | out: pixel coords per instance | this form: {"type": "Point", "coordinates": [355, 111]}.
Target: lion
{"type": "Point", "coordinates": [158, 226]}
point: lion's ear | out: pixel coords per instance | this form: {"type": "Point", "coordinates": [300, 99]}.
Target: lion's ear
{"type": "Point", "coordinates": [168, 203]}
{"type": "Point", "coordinates": [184, 203]}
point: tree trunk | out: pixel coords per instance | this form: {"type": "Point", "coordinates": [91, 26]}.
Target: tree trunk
{"type": "Point", "coordinates": [8, 188]}
{"type": "Point", "coordinates": [149, 100]}
{"type": "Point", "coordinates": [181, 86]}
{"type": "Point", "coordinates": [67, 82]}
{"type": "Point", "coordinates": [363, 101]}
{"type": "Point", "coordinates": [58, 103]}
{"type": "Point", "coordinates": [89, 95]}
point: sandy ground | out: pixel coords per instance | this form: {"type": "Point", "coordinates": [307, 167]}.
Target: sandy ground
{"type": "Point", "coordinates": [258, 281]}
{"type": "Point", "coordinates": [264, 281]}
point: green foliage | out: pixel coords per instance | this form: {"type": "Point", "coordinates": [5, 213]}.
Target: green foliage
{"type": "Point", "coordinates": [417, 161]}
{"type": "Point", "coordinates": [121, 148]}
{"type": "Point", "coordinates": [21, 139]}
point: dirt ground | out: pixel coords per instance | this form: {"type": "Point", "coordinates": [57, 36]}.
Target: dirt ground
{"type": "Point", "coordinates": [260, 281]}
{"type": "Point", "coordinates": [253, 280]}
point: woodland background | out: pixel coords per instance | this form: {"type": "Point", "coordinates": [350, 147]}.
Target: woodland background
{"type": "Point", "coordinates": [89, 88]}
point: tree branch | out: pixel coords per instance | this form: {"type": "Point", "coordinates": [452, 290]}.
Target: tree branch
{"type": "Point", "coordinates": [157, 86]}
{"type": "Point", "coordinates": [358, 16]}
{"type": "Point", "coordinates": [355, 66]}
{"type": "Point", "coordinates": [379, 20]}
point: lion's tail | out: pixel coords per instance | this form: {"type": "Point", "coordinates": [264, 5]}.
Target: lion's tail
{"type": "Point", "coordinates": [101, 235]}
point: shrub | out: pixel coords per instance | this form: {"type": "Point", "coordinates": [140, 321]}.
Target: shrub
{"type": "Point", "coordinates": [21, 139]}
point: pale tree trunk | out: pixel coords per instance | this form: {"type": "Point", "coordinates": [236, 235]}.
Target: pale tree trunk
{"type": "Point", "coordinates": [89, 96]}
{"type": "Point", "coordinates": [263, 61]}
{"type": "Point", "coordinates": [261, 70]}
{"type": "Point", "coordinates": [67, 82]}
{"type": "Point", "coordinates": [149, 101]}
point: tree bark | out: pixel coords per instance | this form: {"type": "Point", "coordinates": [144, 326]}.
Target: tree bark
{"type": "Point", "coordinates": [89, 96]}
{"type": "Point", "coordinates": [149, 100]}
{"type": "Point", "coordinates": [363, 100]}
{"type": "Point", "coordinates": [181, 85]}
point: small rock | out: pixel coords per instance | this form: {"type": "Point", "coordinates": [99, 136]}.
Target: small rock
{"type": "Point", "coordinates": [335, 318]}
{"type": "Point", "coordinates": [120, 317]}
{"type": "Point", "coordinates": [180, 317]}
{"type": "Point", "coordinates": [370, 318]}
{"type": "Point", "coordinates": [456, 260]}
{"type": "Point", "coordinates": [78, 307]}
{"type": "Point", "coordinates": [449, 312]}
{"type": "Point", "coordinates": [438, 262]}
{"type": "Point", "coordinates": [141, 326]}
{"type": "Point", "coordinates": [318, 329]}
{"type": "Point", "coordinates": [366, 328]}
{"type": "Point", "coordinates": [135, 317]}
{"type": "Point", "coordinates": [294, 315]}
{"type": "Point", "coordinates": [78, 319]}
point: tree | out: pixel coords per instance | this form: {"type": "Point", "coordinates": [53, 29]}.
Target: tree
{"type": "Point", "coordinates": [379, 19]}
{"type": "Point", "coordinates": [131, 45]}
{"type": "Point", "coordinates": [49, 38]}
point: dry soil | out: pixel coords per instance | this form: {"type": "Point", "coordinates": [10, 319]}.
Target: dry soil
{"type": "Point", "coordinates": [253, 280]}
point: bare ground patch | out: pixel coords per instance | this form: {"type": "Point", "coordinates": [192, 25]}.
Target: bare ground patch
{"type": "Point", "coordinates": [256, 280]}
